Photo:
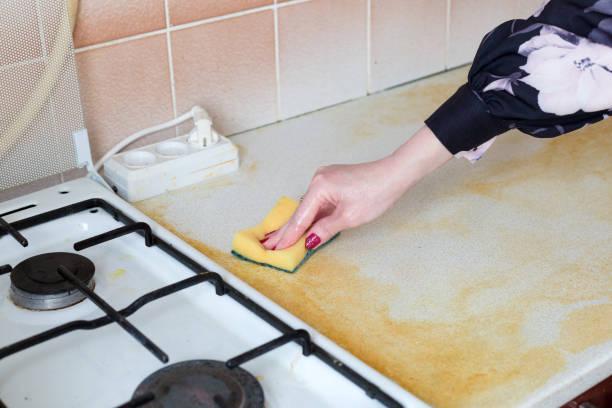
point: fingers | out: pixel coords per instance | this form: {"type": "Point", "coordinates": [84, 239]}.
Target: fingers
{"type": "Point", "coordinates": [272, 239]}
{"type": "Point", "coordinates": [291, 232]}
{"type": "Point", "coordinates": [324, 229]}
{"type": "Point", "coordinates": [298, 224]}
{"type": "Point", "coordinates": [267, 236]}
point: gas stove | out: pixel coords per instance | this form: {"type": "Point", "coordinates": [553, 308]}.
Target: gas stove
{"type": "Point", "coordinates": [101, 307]}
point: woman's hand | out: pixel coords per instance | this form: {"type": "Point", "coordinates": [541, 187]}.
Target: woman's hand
{"type": "Point", "coordinates": [346, 196]}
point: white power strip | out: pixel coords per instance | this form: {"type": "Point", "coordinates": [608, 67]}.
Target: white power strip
{"type": "Point", "coordinates": [175, 163]}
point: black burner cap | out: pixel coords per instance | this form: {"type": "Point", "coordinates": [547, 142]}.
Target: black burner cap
{"type": "Point", "coordinates": [200, 384]}
{"type": "Point", "coordinates": [38, 275]}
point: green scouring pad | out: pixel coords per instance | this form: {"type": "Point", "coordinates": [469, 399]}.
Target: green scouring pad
{"type": "Point", "coordinates": [302, 262]}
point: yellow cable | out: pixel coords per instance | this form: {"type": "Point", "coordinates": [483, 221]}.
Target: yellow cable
{"type": "Point", "coordinates": [46, 83]}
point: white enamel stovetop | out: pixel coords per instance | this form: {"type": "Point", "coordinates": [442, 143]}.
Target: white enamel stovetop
{"type": "Point", "coordinates": [101, 368]}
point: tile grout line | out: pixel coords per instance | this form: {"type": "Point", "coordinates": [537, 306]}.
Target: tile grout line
{"type": "Point", "coordinates": [279, 109]}
{"type": "Point", "coordinates": [216, 19]}
{"type": "Point", "coordinates": [170, 29]}
{"type": "Point", "coordinates": [448, 33]}
{"type": "Point", "coordinates": [187, 25]}
{"type": "Point", "coordinates": [170, 60]}
{"type": "Point", "coordinates": [291, 3]}
{"type": "Point", "coordinates": [120, 41]}
{"type": "Point", "coordinates": [369, 46]}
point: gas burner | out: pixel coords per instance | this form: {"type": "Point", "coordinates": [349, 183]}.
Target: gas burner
{"type": "Point", "coordinates": [201, 383]}
{"type": "Point", "coordinates": [37, 285]}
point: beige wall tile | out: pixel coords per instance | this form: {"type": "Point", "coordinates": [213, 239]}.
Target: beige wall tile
{"type": "Point", "coordinates": [125, 88]}
{"type": "Point", "coordinates": [407, 40]}
{"type": "Point", "coordinates": [322, 47]}
{"type": "Point", "coordinates": [185, 11]}
{"type": "Point", "coordinates": [18, 23]}
{"type": "Point", "coordinates": [525, 8]}
{"type": "Point", "coordinates": [105, 20]}
{"type": "Point", "coordinates": [470, 20]}
{"type": "Point", "coordinates": [228, 68]}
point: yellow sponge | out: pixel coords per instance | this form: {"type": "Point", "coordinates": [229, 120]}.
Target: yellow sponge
{"type": "Point", "coordinates": [247, 243]}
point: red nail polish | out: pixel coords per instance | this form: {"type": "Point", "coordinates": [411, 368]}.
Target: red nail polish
{"type": "Point", "coordinates": [312, 241]}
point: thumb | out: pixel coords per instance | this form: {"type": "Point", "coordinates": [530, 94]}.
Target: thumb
{"type": "Point", "coordinates": [324, 229]}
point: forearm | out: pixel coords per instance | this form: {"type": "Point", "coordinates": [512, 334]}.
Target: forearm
{"type": "Point", "coordinates": [345, 196]}
{"type": "Point", "coordinates": [416, 158]}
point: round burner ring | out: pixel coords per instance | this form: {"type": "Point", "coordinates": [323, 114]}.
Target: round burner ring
{"type": "Point", "coordinates": [36, 284]}
{"type": "Point", "coordinates": [202, 383]}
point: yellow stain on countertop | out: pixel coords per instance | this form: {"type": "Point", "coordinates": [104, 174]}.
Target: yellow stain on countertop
{"type": "Point", "coordinates": [565, 162]}
{"type": "Point", "coordinates": [587, 326]}
{"type": "Point", "coordinates": [406, 106]}
{"type": "Point", "coordinates": [251, 167]}
{"type": "Point", "coordinates": [478, 356]}
{"type": "Point", "coordinates": [478, 361]}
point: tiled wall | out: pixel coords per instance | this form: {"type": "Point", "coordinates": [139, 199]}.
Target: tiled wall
{"type": "Point", "coordinates": [253, 62]}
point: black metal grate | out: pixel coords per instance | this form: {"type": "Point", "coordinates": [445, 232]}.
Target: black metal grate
{"type": "Point", "coordinates": [222, 288]}
{"type": "Point", "coordinates": [13, 232]}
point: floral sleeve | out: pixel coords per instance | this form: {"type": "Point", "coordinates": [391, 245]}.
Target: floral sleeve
{"type": "Point", "coordinates": [547, 75]}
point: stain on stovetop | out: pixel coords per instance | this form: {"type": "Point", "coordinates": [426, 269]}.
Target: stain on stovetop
{"type": "Point", "coordinates": [117, 274]}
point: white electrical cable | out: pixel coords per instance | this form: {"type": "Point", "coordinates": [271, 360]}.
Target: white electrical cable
{"type": "Point", "coordinates": [145, 132]}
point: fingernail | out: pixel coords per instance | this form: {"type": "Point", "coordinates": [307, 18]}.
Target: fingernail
{"type": "Point", "coordinates": [270, 233]}
{"type": "Point", "coordinates": [312, 241]}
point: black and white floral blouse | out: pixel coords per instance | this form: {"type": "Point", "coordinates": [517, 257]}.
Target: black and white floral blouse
{"type": "Point", "coordinates": [547, 75]}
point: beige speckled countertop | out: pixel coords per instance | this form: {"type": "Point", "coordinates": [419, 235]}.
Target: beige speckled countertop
{"type": "Point", "coordinates": [487, 285]}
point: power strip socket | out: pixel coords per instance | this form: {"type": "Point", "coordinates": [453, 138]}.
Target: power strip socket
{"type": "Point", "coordinates": [169, 165]}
